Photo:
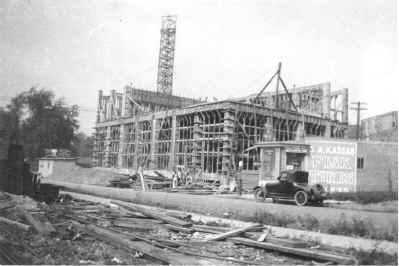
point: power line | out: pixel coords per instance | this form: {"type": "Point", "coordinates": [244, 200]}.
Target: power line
{"type": "Point", "coordinates": [358, 107]}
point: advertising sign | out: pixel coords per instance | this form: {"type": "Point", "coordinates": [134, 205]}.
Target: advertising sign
{"type": "Point", "coordinates": [332, 164]}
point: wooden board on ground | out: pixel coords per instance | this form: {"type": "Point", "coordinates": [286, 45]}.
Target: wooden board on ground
{"type": "Point", "coordinates": [307, 253]}
{"type": "Point", "coordinates": [136, 227]}
{"type": "Point", "coordinates": [44, 228]}
{"type": "Point", "coordinates": [280, 241]}
{"type": "Point", "coordinates": [150, 213]}
{"type": "Point", "coordinates": [121, 241]}
{"type": "Point", "coordinates": [179, 228]}
{"type": "Point", "coordinates": [22, 226]}
{"type": "Point", "coordinates": [234, 232]}
{"type": "Point", "coordinates": [137, 220]}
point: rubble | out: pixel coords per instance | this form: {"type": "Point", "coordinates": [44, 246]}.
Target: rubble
{"type": "Point", "coordinates": [70, 231]}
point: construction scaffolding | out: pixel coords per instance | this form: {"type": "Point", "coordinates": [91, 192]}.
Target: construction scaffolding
{"type": "Point", "coordinates": [134, 130]}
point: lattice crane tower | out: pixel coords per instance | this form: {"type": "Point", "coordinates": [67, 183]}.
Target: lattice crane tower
{"type": "Point", "coordinates": [166, 54]}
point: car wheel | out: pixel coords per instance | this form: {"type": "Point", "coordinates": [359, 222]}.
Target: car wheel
{"type": "Point", "coordinates": [275, 200]}
{"type": "Point", "coordinates": [258, 194]}
{"type": "Point", "coordinates": [301, 198]}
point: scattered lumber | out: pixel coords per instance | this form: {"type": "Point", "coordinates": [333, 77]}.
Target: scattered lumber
{"type": "Point", "coordinates": [179, 228]}
{"type": "Point", "coordinates": [7, 256]}
{"type": "Point", "coordinates": [288, 242]}
{"type": "Point", "coordinates": [22, 226]}
{"type": "Point", "coordinates": [172, 245]}
{"type": "Point", "coordinates": [6, 205]}
{"type": "Point", "coordinates": [234, 232]}
{"type": "Point", "coordinates": [44, 228]}
{"type": "Point", "coordinates": [279, 241]}
{"type": "Point", "coordinates": [207, 229]}
{"type": "Point", "coordinates": [138, 227]}
{"type": "Point", "coordinates": [302, 252]}
{"type": "Point", "coordinates": [153, 214]}
{"type": "Point", "coordinates": [120, 241]}
{"type": "Point", "coordinates": [137, 220]}
{"type": "Point", "coordinates": [196, 254]}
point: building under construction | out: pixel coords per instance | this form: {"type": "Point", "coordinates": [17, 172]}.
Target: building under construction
{"type": "Point", "coordinates": [158, 130]}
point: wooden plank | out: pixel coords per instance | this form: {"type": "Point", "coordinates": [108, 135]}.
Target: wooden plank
{"type": "Point", "coordinates": [138, 227]}
{"type": "Point", "coordinates": [7, 205]}
{"type": "Point", "coordinates": [234, 232]}
{"type": "Point", "coordinates": [7, 254]}
{"type": "Point", "coordinates": [280, 241]}
{"type": "Point", "coordinates": [288, 242]}
{"type": "Point", "coordinates": [150, 213]}
{"type": "Point", "coordinates": [120, 241]}
{"type": "Point", "coordinates": [172, 245]}
{"type": "Point", "coordinates": [44, 228]}
{"type": "Point", "coordinates": [262, 237]}
{"type": "Point", "coordinates": [179, 228]}
{"type": "Point", "coordinates": [306, 253]}
{"type": "Point", "coordinates": [22, 226]}
{"type": "Point", "coordinates": [138, 220]}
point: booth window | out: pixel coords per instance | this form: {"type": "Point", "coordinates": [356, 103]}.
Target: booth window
{"type": "Point", "coordinates": [360, 163]}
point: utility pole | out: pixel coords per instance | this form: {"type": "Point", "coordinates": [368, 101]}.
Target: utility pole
{"type": "Point", "coordinates": [358, 107]}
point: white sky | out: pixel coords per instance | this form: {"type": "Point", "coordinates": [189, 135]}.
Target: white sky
{"type": "Point", "coordinates": [223, 48]}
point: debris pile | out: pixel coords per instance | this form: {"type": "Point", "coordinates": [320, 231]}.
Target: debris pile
{"type": "Point", "coordinates": [71, 231]}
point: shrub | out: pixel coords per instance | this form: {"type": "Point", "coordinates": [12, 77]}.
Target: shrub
{"type": "Point", "coordinates": [365, 197]}
{"type": "Point", "coordinates": [374, 257]}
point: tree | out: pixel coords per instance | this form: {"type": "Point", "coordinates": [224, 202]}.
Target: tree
{"type": "Point", "coordinates": [43, 122]}
{"type": "Point", "coordinates": [84, 145]}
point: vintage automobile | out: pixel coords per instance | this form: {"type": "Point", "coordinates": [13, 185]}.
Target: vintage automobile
{"type": "Point", "coordinates": [291, 185]}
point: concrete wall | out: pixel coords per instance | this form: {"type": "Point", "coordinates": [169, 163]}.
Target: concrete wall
{"type": "Point", "coordinates": [380, 166]}
{"type": "Point", "coordinates": [381, 128]}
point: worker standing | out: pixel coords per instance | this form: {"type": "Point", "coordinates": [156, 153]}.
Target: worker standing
{"type": "Point", "coordinates": [239, 175]}
{"type": "Point", "coordinates": [174, 179]}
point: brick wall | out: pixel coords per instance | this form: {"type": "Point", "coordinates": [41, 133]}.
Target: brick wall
{"type": "Point", "coordinates": [380, 166]}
